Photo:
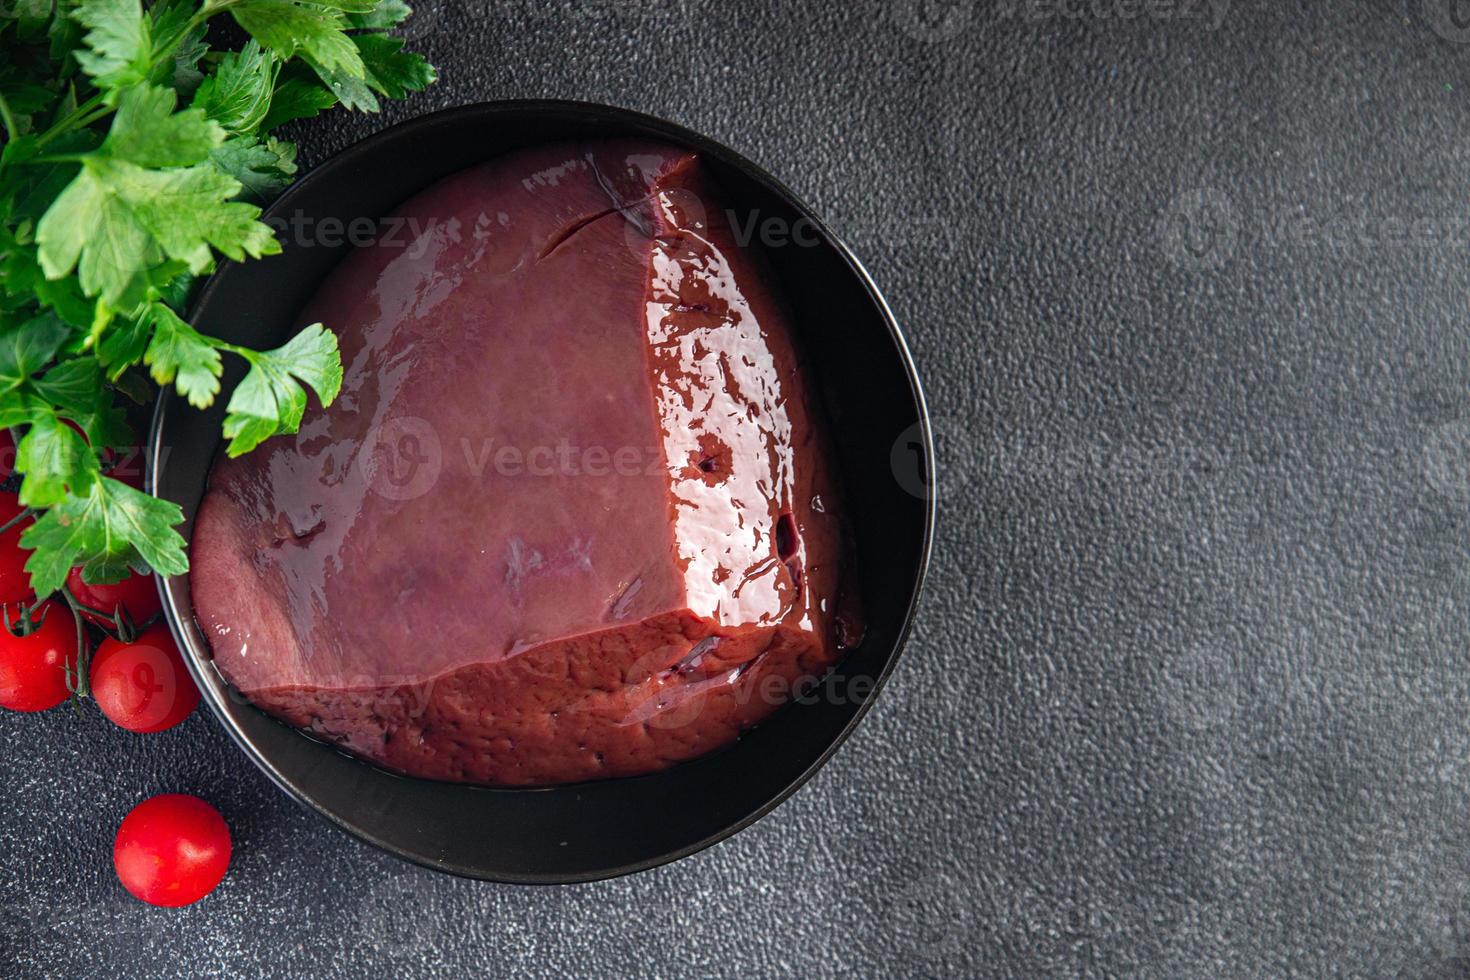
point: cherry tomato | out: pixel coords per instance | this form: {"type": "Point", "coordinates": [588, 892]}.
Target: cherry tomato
{"type": "Point", "coordinates": [143, 686]}
{"type": "Point", "coordinates": [33, 667]}
{"type": "Point", "coordinates": [136, 592]}
{"type": "Point", "coordinates": [10, 506]}
{"type": "Point", "coordinates": [171, 850]}
{"type": "Point", "coordinates": [7, 454]}
{"type": "Point", "coordinates": [15, 583]}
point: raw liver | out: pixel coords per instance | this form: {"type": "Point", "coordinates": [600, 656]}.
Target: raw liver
{"type": "Point", "coordinates": [572, 515]}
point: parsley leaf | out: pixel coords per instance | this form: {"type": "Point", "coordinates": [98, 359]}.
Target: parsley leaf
{"type": "Point", "coordinates": [126, 148]}
{"type": "Point", "coordinates": [263, 168]}
{"type": "Point", "coordinates": [238, 94]}
{"type": "Point", "coordinates": [387, 14]}
{"type": "Point", "coordinates": [25, 349]}
{"type": "Point", "coordinates": [74, 384]}
{"type": "Point", "coordinates": [119, 43]}
{"type": "Point", "coordinates": [288, 28]}
{"type": "Point", "coordinates": [269, 401]}
{"type": "Point", "coordinates": [116, 219]}
{"type": "Point", "coordinates": [89, 230]}
{"type": "Point", "coordinates": [124, 343]}
{"type": "Point", "coordinates": [76, 388]}
{"type": "Point", "coordinates": [56, 461]}
{"type": "Point", "coordinates": [391, 70]}
{"type": "Point", "coordinates": [297, 98]}
{"type": "Point", "coordinates": [353, 91]}
{"type": "Point", "coordinates": [180, 354]}
{"type": "Point", "coordinates": [148, 132]}
{"type": "Point", "coordinates": [125, 45]}
{"type": "Point", "coordinates": [109, 529]}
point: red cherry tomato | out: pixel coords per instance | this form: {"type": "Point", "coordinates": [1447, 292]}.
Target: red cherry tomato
{"type": "Point", "coordinates": [136, 592]}
{"type": "Point", "coordinates": [9, 502]}
{"type": "Point", "coordinates": [10, 506]}
{"type": "Point", "coordinates": [15, 584]}
{"type": "Point", "coordinates": [171, 850]}
{"type": "Point", "coordinates": [33, 667]}
{"type": "Point", "coordinates": [143, 686]}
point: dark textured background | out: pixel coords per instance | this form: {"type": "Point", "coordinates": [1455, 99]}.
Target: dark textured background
{"type": "Point", "coordinates": [1188, 695]}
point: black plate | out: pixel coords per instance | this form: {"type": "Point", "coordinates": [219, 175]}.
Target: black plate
{"type": "Point", "coordinates": [593, 830]}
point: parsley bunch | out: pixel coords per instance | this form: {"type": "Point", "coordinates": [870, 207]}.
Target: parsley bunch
{"type": "Point", "coordinates": [134, 154]}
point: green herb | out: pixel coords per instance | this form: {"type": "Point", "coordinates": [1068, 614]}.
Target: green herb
{"type": "Point", "coordinates": [134, 155]}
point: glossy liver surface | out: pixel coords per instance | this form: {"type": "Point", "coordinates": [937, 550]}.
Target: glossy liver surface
{"type": "Point", "coordinates": [572, 516]}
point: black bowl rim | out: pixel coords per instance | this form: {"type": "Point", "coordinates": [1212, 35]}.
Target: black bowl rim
{"type": "Point", "coordinates": [364, 149]}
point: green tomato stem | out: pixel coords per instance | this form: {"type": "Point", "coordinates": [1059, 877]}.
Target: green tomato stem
{"type": "Point", "coordinates": [83, 685]}
{"type": "Point", "coordinates": [27, 512]}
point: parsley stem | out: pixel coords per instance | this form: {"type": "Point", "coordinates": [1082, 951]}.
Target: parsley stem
{"type": "Point", "coordinates": [245, 352]}
{"type": "Point", "coordinates": [210, 8]}
{"type": "Point", "coordinates": [7, 117]}
{"type": "Point", "coordinates": [70, 121]}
